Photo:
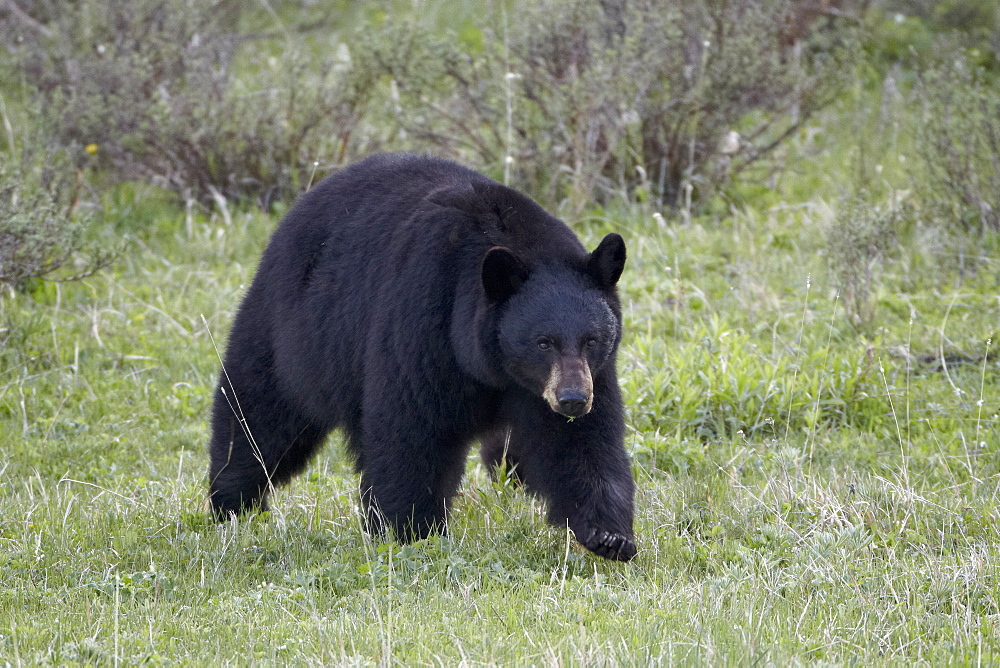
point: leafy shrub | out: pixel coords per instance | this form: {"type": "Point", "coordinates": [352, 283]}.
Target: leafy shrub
{"type": "Point", "coordinates": [41, 229]}
{"type": "Point", "coordinates": [153, 84]}
{"type": "Point", "coordinates": [663, 100]}
{"type": "Point", "coordinates": [653, 97]}
{"type": "Point", "coordinates": [917, 21]}
{"type": "Point", "coordinates": [858, 242]}
{"type": "Point", "coordinates": [959, 144]}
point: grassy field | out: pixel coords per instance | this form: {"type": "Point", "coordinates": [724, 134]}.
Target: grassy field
{"type": "Point", "coordinates": [805, 493]}
{"type": "Point", "coordinates": [818, 471]}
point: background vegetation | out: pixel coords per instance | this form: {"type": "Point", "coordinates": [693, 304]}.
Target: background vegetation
{"type": "Point", "coordinates": [810, 195]}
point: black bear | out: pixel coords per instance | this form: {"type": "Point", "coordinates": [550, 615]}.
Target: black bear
{"type": "Point", "coordinates": [421, 306]}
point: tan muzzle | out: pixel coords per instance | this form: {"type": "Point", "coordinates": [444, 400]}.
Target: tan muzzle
{"type": "Point", "coordinates": [570, 388]}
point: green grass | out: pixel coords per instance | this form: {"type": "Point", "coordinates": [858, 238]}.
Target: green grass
{"type": "Point", "coordinates": [806, 493]}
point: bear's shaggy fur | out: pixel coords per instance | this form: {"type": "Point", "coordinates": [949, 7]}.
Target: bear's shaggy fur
{"type": "Point", "coordinates": [421, 306]}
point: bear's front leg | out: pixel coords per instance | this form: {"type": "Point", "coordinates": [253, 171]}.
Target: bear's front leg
{"type": "Point", "coordinates": [581, 468]}
{"type": "Point", "coordinates": [594, 496]}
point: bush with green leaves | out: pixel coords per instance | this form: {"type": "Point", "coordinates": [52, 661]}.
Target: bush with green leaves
{"type": "Point", "coordinates": [661, 100]}
{"type": "Point", "coordinates": [959, 144]}
{"type": "Point", "coordinates": [42, 229]}
{"type": "Point", "coordinates": [169, 91]}
{"type": "Point", "coordinates": [653, 98]}
{"type": "Point", "coordinates": [907, 28]}
{"type": "Point", "coordinates": [859, 241]}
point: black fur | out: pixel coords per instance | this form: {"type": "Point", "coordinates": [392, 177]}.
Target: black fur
{"type": "Point", "coordinates": [421, 306]}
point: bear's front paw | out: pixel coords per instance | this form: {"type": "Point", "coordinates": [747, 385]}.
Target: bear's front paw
{"type": "Point", "coordinates": [610, 545]}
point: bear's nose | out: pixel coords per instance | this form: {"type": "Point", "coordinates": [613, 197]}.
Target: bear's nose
{"type": "Point", "coordinates": [572, 403]}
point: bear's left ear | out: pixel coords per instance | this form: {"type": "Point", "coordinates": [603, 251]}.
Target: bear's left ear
{"type": "Point", "coordinates": [607, 261]}
{"type": "Point", "coordinates": [503, 274]}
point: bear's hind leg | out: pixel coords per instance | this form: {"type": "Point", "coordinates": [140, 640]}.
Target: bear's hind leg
{"type": "Point", "coordinates": [257, 444]}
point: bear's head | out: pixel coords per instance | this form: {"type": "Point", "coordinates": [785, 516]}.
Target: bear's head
{"type": "Point", "coordinates": [556, 327]}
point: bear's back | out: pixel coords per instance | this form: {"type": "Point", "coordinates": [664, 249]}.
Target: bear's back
{"type": "Point", "coordinates": [370, 214]}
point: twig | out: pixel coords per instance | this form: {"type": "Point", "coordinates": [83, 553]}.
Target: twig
{"type": "Point", "coordinates": [25, 18]}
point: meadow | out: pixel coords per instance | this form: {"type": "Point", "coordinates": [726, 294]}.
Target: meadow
{"type": "Point", "coordinates": [816, 456]}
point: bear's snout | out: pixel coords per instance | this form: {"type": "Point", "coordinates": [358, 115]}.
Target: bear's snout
{"type": "Point", "coordinates": [573, 403]}
{"type": "Point", "coordinates": [569, 389]}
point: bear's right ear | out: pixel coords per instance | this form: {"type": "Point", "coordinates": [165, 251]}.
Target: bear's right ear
{"type": "Point", "coordinates": [503, 274]}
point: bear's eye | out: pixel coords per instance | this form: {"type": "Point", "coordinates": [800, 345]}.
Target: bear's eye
{"type": "Point", "coordinates": [591, 342]}
{"type": "Point", "coordinates": [544, 343]}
